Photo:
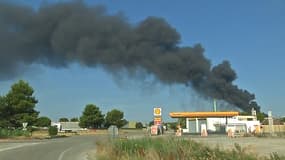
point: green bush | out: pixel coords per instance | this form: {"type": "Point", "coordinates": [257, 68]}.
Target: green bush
{"type": "Point", "coordinates": [6, 133]}
{"type": "Point", "coordinates": [52, 131]}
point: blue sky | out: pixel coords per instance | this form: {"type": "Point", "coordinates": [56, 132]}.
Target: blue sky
{"type": "Point", "coordinates": [250, 34]}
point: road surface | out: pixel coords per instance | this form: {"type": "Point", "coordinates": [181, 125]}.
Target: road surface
{"type": "Point", "coordinates": [71, 148]}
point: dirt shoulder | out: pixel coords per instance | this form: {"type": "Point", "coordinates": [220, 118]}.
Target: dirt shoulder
{"type": "Point", "coordinates": [254, 145]}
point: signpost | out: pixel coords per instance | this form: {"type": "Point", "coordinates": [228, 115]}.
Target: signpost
{"type": "Point", "coordinates": [157, 120]}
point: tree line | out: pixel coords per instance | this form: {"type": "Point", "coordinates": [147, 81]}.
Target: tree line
{"type": "Point", "coordinates": [92, 117]}
{"type": "Point", "coordinates": [18, 106]}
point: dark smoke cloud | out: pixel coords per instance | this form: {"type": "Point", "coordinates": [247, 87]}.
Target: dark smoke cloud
{"type": "Point", "coordinates": [60, 34]}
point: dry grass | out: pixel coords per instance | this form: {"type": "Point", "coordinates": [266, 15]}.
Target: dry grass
{"type": "Point", "coordinates": [40, 134]}
{"type": "Point", "coordinates": [170, 149]}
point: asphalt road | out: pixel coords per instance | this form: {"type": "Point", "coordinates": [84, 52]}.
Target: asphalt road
{"type": "Point", "coordinates": [71, 148]}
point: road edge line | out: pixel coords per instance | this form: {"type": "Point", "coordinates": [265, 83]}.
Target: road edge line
{"type": "Point", "coordinates": [62, 153]}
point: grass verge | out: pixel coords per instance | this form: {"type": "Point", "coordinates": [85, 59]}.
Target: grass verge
{"type": "Point", "coordinates": [170, 149]}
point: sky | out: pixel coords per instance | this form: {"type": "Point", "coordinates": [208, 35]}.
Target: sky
{"type": "Point", "coordinates": [250, 34]}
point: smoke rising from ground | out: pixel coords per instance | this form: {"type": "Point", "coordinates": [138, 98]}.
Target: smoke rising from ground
{"type": "Point", "coordinates": [63, 33]}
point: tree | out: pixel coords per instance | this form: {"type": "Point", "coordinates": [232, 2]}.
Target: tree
{"type": "Point", "coordinates": [91, 117]}
{"type": "Point", "coordinates": [261, 116]}
{"type": "Point", "coordinates": [20, 105]}
{"type": "Point", "coordinates": [4, 113]}
{"type": "Point", "coordinates": [63, 119]}
{"type": "Point", "coordinates": [182, 122]}
{"type": "Point", "coordinates": [74, 119]}
{"type": "Point", "coordinates": [172, 125]}
{"type": "Point", "coordinates": [151, 123]}
{"type": "Point", "coordinates": [283, 119]}
{"type": "Point", "coordinates": [115, 117]}
{"type": "Point", "coordinates": [43, 122]}
{"type": "Point", "coordinates": [139, 125]}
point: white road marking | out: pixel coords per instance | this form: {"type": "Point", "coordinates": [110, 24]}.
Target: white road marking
{"type": "Point", "coordinates": [18, 146]}
{"type": "Point", "coordinates": [62, 153]}
{"type": "Point", "coordinates": [83, 156]}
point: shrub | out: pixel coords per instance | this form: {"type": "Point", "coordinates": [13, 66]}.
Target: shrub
{"type": "Point", "coordinates": [5, 133]}
{"type": "Point", "coordinates": [52, 131]}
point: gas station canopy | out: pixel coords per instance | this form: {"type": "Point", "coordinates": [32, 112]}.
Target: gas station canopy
{"type": "Point", "coordinates": [202, 114]}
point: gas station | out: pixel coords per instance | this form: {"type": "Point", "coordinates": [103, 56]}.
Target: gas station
{"type": "Point", "coordinates": [217, 122]}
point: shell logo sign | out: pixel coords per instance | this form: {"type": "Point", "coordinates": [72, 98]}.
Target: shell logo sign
{"type": "Point", "coordinates": [157, 111]}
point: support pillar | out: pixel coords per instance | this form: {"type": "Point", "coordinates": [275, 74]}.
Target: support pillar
{"type": "Point", "coordinates": [187, 125]}
{"type": "Point", "coordinates": [197, 125]}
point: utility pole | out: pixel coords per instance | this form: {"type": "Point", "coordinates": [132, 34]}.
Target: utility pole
{"type": "Point", "coordinates": [215, 105]}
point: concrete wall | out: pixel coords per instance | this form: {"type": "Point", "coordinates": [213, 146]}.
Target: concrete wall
{"type": "Point", "coordinates": [276, 128]}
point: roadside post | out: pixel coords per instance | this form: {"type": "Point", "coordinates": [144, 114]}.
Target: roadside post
{"type": "Point", "coordinates": [113, 131]}
{"type": "Point", "coordinates": [204, 132]}
{"type": "Point", "coordinates": [178, 131]}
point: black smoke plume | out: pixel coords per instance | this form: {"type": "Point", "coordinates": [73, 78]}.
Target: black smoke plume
{"type": "Point", "coordinates": [60, 34]}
